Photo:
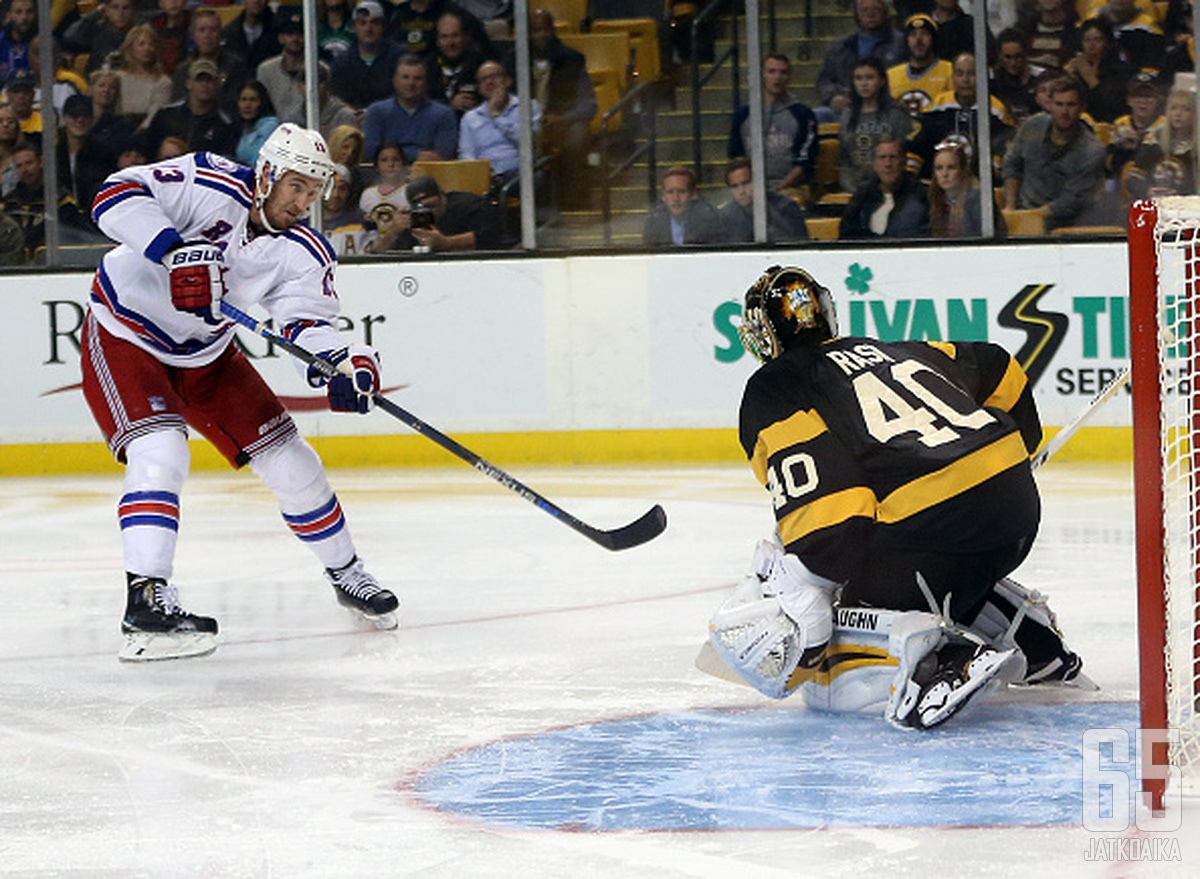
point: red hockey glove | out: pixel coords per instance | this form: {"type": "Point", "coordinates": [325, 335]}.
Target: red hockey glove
{"type": "Point", "coordinates": [346, 393]}
{"type": "Point", "coordinates": [197, 279]}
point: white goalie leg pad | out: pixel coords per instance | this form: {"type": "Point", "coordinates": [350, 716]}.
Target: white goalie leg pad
{"type": "Point", "coordinates": [857, 670]}
{"type": "Point", "coordinates": [778, 615]}
{"type": "Point", "coordinates": [999, 630]}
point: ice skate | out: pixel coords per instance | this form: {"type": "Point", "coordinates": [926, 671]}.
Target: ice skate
{"type": "Point", "coordinates": [156, 627]}
{"type": "Point", "coordinates": [945, 681]}
{"type": "Point", "coordinates": [361, 593]}
{"type": "Point", "coordinates": [1062, 671]}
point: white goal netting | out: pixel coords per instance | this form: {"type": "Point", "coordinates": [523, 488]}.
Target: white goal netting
{"type": "Point", "coordinates": [1176, 241]}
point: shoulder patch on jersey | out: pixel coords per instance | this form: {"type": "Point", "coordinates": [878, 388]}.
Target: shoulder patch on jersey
{"type": "Point", "coordinates": [218, 163]}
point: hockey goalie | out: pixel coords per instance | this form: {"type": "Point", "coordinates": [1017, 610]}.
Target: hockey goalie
{"type": "Point", "coordinates": [903, 495]}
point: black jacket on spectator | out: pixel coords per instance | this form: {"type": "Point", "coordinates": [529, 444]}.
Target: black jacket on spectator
{"type": "Point", "coordinates": [467, 212]}
{"type": "Point", "coordinates": [360, 84]}
{"type": "Point", "coordinates": [909, 217]}
{"type": "Point", "coordinates": [785, 221]}
{"type": "Point", "coordinates": [213, 132]}
{"type": "Point", "coordinates": [233, 37]}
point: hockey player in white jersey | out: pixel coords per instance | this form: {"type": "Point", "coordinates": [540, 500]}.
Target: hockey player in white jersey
{"type": "Point", "coordinates": [157, 357]}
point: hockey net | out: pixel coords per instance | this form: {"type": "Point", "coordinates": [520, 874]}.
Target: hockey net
{"type": "Point", "coordinates": [1164, 267]}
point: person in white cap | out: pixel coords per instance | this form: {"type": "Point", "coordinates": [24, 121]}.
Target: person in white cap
{"type": "Point", "coordinates": [363, 73]}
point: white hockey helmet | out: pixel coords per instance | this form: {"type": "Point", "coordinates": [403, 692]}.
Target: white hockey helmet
{"type": "Point", "coordinates": [291, 148]}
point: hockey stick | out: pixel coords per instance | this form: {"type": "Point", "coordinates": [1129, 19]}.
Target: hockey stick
{"type": "Point", "coordinates": [649, 526]}
{"type": "Point", "coordinates": [1063, 436]}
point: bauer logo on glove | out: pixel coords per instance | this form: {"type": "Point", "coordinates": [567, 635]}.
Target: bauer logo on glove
{"type": "Point", "coordinates": [354, 388]}
{"type": "Point", "coordinates": [197, 275]}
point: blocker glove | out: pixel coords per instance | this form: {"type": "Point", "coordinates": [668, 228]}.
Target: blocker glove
{"type": "Point", "coordinates": [197, 271]}
{"type": "Point", "coordinates": [346, 393]}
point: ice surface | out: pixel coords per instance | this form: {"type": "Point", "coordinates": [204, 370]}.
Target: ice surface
{"type": "Point", "coordinates": [306, 746]}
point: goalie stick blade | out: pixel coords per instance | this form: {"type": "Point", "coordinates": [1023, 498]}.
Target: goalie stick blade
{"type": "Point", "coordinates": [645, 529]}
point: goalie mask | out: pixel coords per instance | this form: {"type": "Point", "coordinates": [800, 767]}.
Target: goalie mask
{"type": "Point", "coordinates": [784, 305]}
{"type": "Point", "coordinates": [291, 148]}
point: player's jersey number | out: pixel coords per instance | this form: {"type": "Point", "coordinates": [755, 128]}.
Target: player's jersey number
{"type": "Point", "coordinates": [904, 405]}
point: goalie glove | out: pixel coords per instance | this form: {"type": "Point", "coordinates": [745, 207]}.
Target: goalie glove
{"type": "Point", "coordinates": [197, 277]}
{"type": "Point", "coordinates": [353, 392]}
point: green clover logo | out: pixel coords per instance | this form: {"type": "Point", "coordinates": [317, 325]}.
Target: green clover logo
{"type": "Point", "coordinates": [859, 279]}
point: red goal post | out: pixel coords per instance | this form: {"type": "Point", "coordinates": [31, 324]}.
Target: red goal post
{"type": "Point", "coordinates": [1164, 303]}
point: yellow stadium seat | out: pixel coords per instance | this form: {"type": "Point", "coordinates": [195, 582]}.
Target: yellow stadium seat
{"type": "Point", "coordinates": [643, 40]}
{"type": "Point", "coordinates": [565, 12]}
{"type": "Point", "coordinates": [1024, 223]}
{"type": "Point", "coordinates": [457, 175]}
{"type": "Point", "coordinates": [606, 82]}
{"type": "Point", "coordinates": [823, 228]}
{"type": "Point", "coordinates": [603, 52]}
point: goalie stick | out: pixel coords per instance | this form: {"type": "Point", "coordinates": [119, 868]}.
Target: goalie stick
{"type": "Point", "coordinates": [644, 529]}
{"type": "Point", "coordinates": [1063, 436]}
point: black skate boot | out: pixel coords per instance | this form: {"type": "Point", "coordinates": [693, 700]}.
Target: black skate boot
{"type": "Point", "coordinates": [156, 627]}
{"type": "Point", "coordinates": [949, 678]}
{"type": "Point", "coordinates": [361, 593]}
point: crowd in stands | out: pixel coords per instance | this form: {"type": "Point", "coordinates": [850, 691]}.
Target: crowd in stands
{"type": "Point", "coordinates": [1092, 103]}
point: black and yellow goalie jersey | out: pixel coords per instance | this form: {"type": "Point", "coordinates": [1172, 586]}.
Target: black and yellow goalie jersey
{"type": "Point", "coordinates": [865, 444]}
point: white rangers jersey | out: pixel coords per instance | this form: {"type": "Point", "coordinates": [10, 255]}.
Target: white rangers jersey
{"type": "Point", "coordinates": [202, 196]}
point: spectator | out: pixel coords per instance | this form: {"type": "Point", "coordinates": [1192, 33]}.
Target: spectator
{"type": "Point", "coordinates": [1055, 163]}
{"type": "Point", "coordinates": [785, 217]}
{"type": "Point", "coordinates": [873, 116]}
{"type": "Point", "coordinates": [206, 43]}
{"type": "Point", "coordinates": [955, 113]}
{"type": "Point", "coordinates": [563, 88]}
{"type": "Point", "coordinates": [332, 111]}
{"type": "Point", "coordinates": [789, 132]}
{"type": "Point", "coordinates": [452, 67]}
{"type": "Point", "coordinates": [253, 34]}
{"type": "Point", "coordinates": [412, 25]}
{"type": "Point", "coordinates": [1099, 65]}
{"type": "Point", "coordinates": [1049, 29]}
{"type": "Point", "coordinates": [492, 130]}
{"type": "Point", "coordinates": [10, 136]}
{"type": "Point", "coordinates": [134, 153]}
{"type": "Point", "coordinates": [110, 129]}
{"type": "Point", "coordinates": [955, 31]}
{"type": "Point", "coordinates": [12, 241]}
{"type": "Point", "coordinates": [171, 148]}
{"type": "Point", "coordinates": [384, 206]}
{"type": "Point", "coordinates": [874, 35]}
{"type": "Point", "coordinates": [683, 217]}
{"type": "Point", "coordinates": [955, 199]}
{"type": "Point", "coordinates": [20, 25]}
{"type": "Point", "coordinates": [361, 75]}
{"type": "Point", "coordinates": [892, 204]}
{"type": "Point", "coordinates": [346, 148]}
{"type": "Point", "coordinates": [460, 221]}
{"type": "Point", "coordinates": [1180, 56]}
{"type": "Point", "coordinates": [335, 27]}
{"type": "Point", "coordinates": [1136, 33]}
{"type": "Point", "coordinates": [19, 94]}
{"type": "Point", "coordinates": [1014, 79]}
{"type": "Point", "coordinates": [281, 74]}
{"type": "Point", "coordinates": [198, 120]}
{"type": "Point", "coordinates": [145, 87]}
{"type": "Point", "coordinates": [27, 204]}
{"type": "Point", "coordinates": [171, 25]}
{"type": "Point", "coordinates": [1165, 163]}
{"type": "Point", "coordinates": [1144, 100]}
{"type": "Point", "coordinates": [100, 33]}
{"type": "Point", "coordinates": [341, 220]}
{"type": "Point", "coordinates": [423, 128]}
{"type": "Point", "coordinates": [917, 81]}
{"type": "Point", "coordinates": [84, 161]}
{"type": "Point", "coordinates": [257, 116]}
{"type": "Point", "coordinates": [66, 81]}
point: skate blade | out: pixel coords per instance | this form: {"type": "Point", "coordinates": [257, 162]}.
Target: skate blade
{"type": "Point", "coordinates": [155, 646]}
{"type": "Point", "coordinates": [384, 622]}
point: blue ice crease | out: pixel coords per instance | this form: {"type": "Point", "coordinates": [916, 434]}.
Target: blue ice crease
{"type": "Point", "coordinates": [1004, 765]}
